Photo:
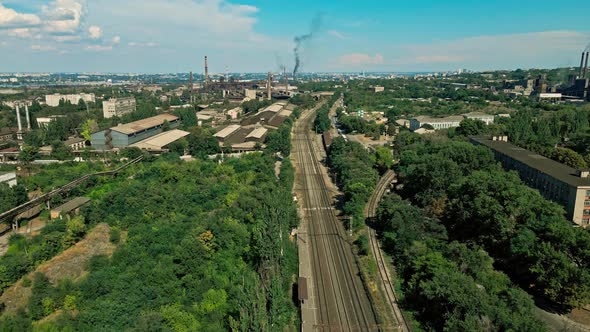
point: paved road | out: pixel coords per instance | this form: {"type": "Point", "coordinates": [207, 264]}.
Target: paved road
{"type": "Point", "coordinates": [338, 300]}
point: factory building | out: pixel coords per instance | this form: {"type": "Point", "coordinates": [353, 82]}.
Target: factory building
{"type": "Point", "coordinates": [555, 181]}
{"type": "Point", "coordinates": [54, 99]}
{"type": "Point", "coordinates": [130, 133]}
{"type": "Point", "coordinates": [118, 107]}
{"type": "Point", "coordinates": [226, 133]}
{"type": "Point", "coordinates": [160, 141]}
{"type": "Point", "coordinates": [580, 84]}
{"type": "Point", "coordinates": [257, 135]}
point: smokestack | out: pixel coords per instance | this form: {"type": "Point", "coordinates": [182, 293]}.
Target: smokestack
{"type": "Point", "coordinates": [286, 79]}
{"type": "Point", "coordinates": [581, 66]}
{"type": "Point", "coordinates": [206, 71]}
{"type": "Point", "coordinates": [20, 125]}
{"type": "Point", "coordinates": [586, 65]}
{"type": "Point", "coordinates": [28, 117]}
{"type": "Point", "coordinates": [269, 86]}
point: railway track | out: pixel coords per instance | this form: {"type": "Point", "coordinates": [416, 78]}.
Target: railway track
{"type": "Point", "coordinates": [382, 265]}
{"type": "Point", "coordinates": [342, 303]}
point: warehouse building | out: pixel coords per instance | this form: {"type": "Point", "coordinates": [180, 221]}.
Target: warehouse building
{"type": "Point", "coordinates": [130, 133]}
{"type": "Point", "coordinates": [118, 107]}
{"type": "Point", "coordinates": [257, 135]}
{"type": "Point", "coordinates": [555, 181]}
{"type": "Point", "coordinates": [225, 133]}
{"type": "Point", "coordinates": [160, 141]}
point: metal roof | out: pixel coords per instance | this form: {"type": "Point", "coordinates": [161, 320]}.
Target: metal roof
{"type": "Point", "coordinates": [275, 108]}
{"type": "Point", "coordinates": [159, 141]}
{"type": "Point", "coordinates": [544, 165]}
{"type": "Point", "coordinates": [227, 131]}
{"type": "Point", "coordinates": [140, 125]}
{"type": "Point", "coordinates": [257, 133]}
{"type": "Point", "coordinates": [452, 118]}
{"type": "Point", "coordinates": [74, 141]}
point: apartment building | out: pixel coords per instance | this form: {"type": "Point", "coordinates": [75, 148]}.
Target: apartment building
{"type": "Point", "coordinates": [555, 181]}
{"type": "Point", "coordinates": [54, 99]}
{"type": "Point", "coordinates": [118, 106]}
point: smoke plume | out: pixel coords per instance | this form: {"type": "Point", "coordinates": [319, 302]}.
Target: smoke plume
{"type": "Point", "coordinates": [316, 24]}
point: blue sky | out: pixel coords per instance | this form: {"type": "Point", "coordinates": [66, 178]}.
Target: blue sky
{"type": "Point", "coordinates": [257, 35]}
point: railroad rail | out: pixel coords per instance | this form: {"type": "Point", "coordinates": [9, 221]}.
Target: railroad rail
{"type": "Point", "coordinates": [341, 299]}
{"type": "Point", "coordinates": [8, 215]}
{"type": "Point", "coordinates": [384, 276]}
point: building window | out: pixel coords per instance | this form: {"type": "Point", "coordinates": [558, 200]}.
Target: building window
{"type": "Point", "coordinates": [587, 192]}
{"type": "Point", "coordinates": [587, 212]}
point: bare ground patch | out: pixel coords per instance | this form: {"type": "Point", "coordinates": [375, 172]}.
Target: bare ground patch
{"type": "Point", "coordinates": [70, 264]}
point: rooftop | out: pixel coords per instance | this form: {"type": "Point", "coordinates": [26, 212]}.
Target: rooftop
{"type": "Point", "coordinates": [257, 133]}
{"type": "Point", "coordinates": [545, 165]}
{"type": "Point", "coordinates": [74, 141]}
{"type": "Point", "coordinates": [452, 118]}
{"type": "Point", "coordinates": [473, 114]}
{"type": "Point", "coordinates": [275, 108]}
{"type": "Point", "coordinates": [140, 125]}
{"type": "Point", "coordinates": [227, 131]}
{"type": "Point", "coordinates": [159, 141]}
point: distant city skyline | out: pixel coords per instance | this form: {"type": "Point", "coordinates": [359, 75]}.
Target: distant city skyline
{"type": "Point", "coordinates": [169, 36]}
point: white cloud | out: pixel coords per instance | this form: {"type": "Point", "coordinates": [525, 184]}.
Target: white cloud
{"type": "Point", "coordinates": [136, 44]}
{"type": "Point", "coordinates": [24, 33]}
{"type": "Point", "coordinates": [9, 19]}
{"type": "Point", "coordinates": [99, 48]}
{"type": "Point", "coordinates": [43, 48]}
{"type": "Point", "coordinates": [355, 59]}
{"type": "Point", "coordinates": [116, 40]}
{"type": "Point", "coordinates": [63, 16]}
{"type": "Point", "coordinates": [336, 34]}
{"type": "Point", "coordinates": [95, 32]}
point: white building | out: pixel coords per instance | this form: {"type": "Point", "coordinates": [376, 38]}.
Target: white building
{"type": "Point", "coordinates": [9, 178]}
{"type": "Point", "coordinates": [485, 118]}
{"type": "Point", "coordinates": [118, 107]}
{"type": "Point", "coordinates": [43, 122]}
{"type": "Point", "coordinates": [74, 99]}
{"type": "Point", "coordinates": [436, 123]}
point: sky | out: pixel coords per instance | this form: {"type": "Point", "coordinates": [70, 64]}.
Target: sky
{"type": "Point", "coordinates": [169, 36]}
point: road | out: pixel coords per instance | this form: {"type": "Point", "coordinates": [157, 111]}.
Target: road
{"type": "Point", "coordinates": [395, 316]}
{"type": "Point", "coordinates": [338, 299]}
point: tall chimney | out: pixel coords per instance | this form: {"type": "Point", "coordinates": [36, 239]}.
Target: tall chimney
{"type": "Point", "coordinates": [190, 81]}
{"type": "Point", "coordinates": [268, 86]}
{"type": "Point", "coordinates": [286, 79]}
{"type": "Point", "coordinates": [206, 71]}
{"type": "Point", "coordinates": [28, 117]}
{"type": "Point", "coordinates": [586, 66]}
{"type": "Point", "coordinates": [20, 125]}
{"type": "Point", "coordinates": [581, 74]}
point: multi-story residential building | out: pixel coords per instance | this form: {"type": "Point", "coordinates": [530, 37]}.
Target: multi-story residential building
{"type": "Point", "coordinates": [118, 106]}
{"type": "Point", "coordinates": [555, 181]}
{"type": "Point", "coordinates": [54, 99]}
